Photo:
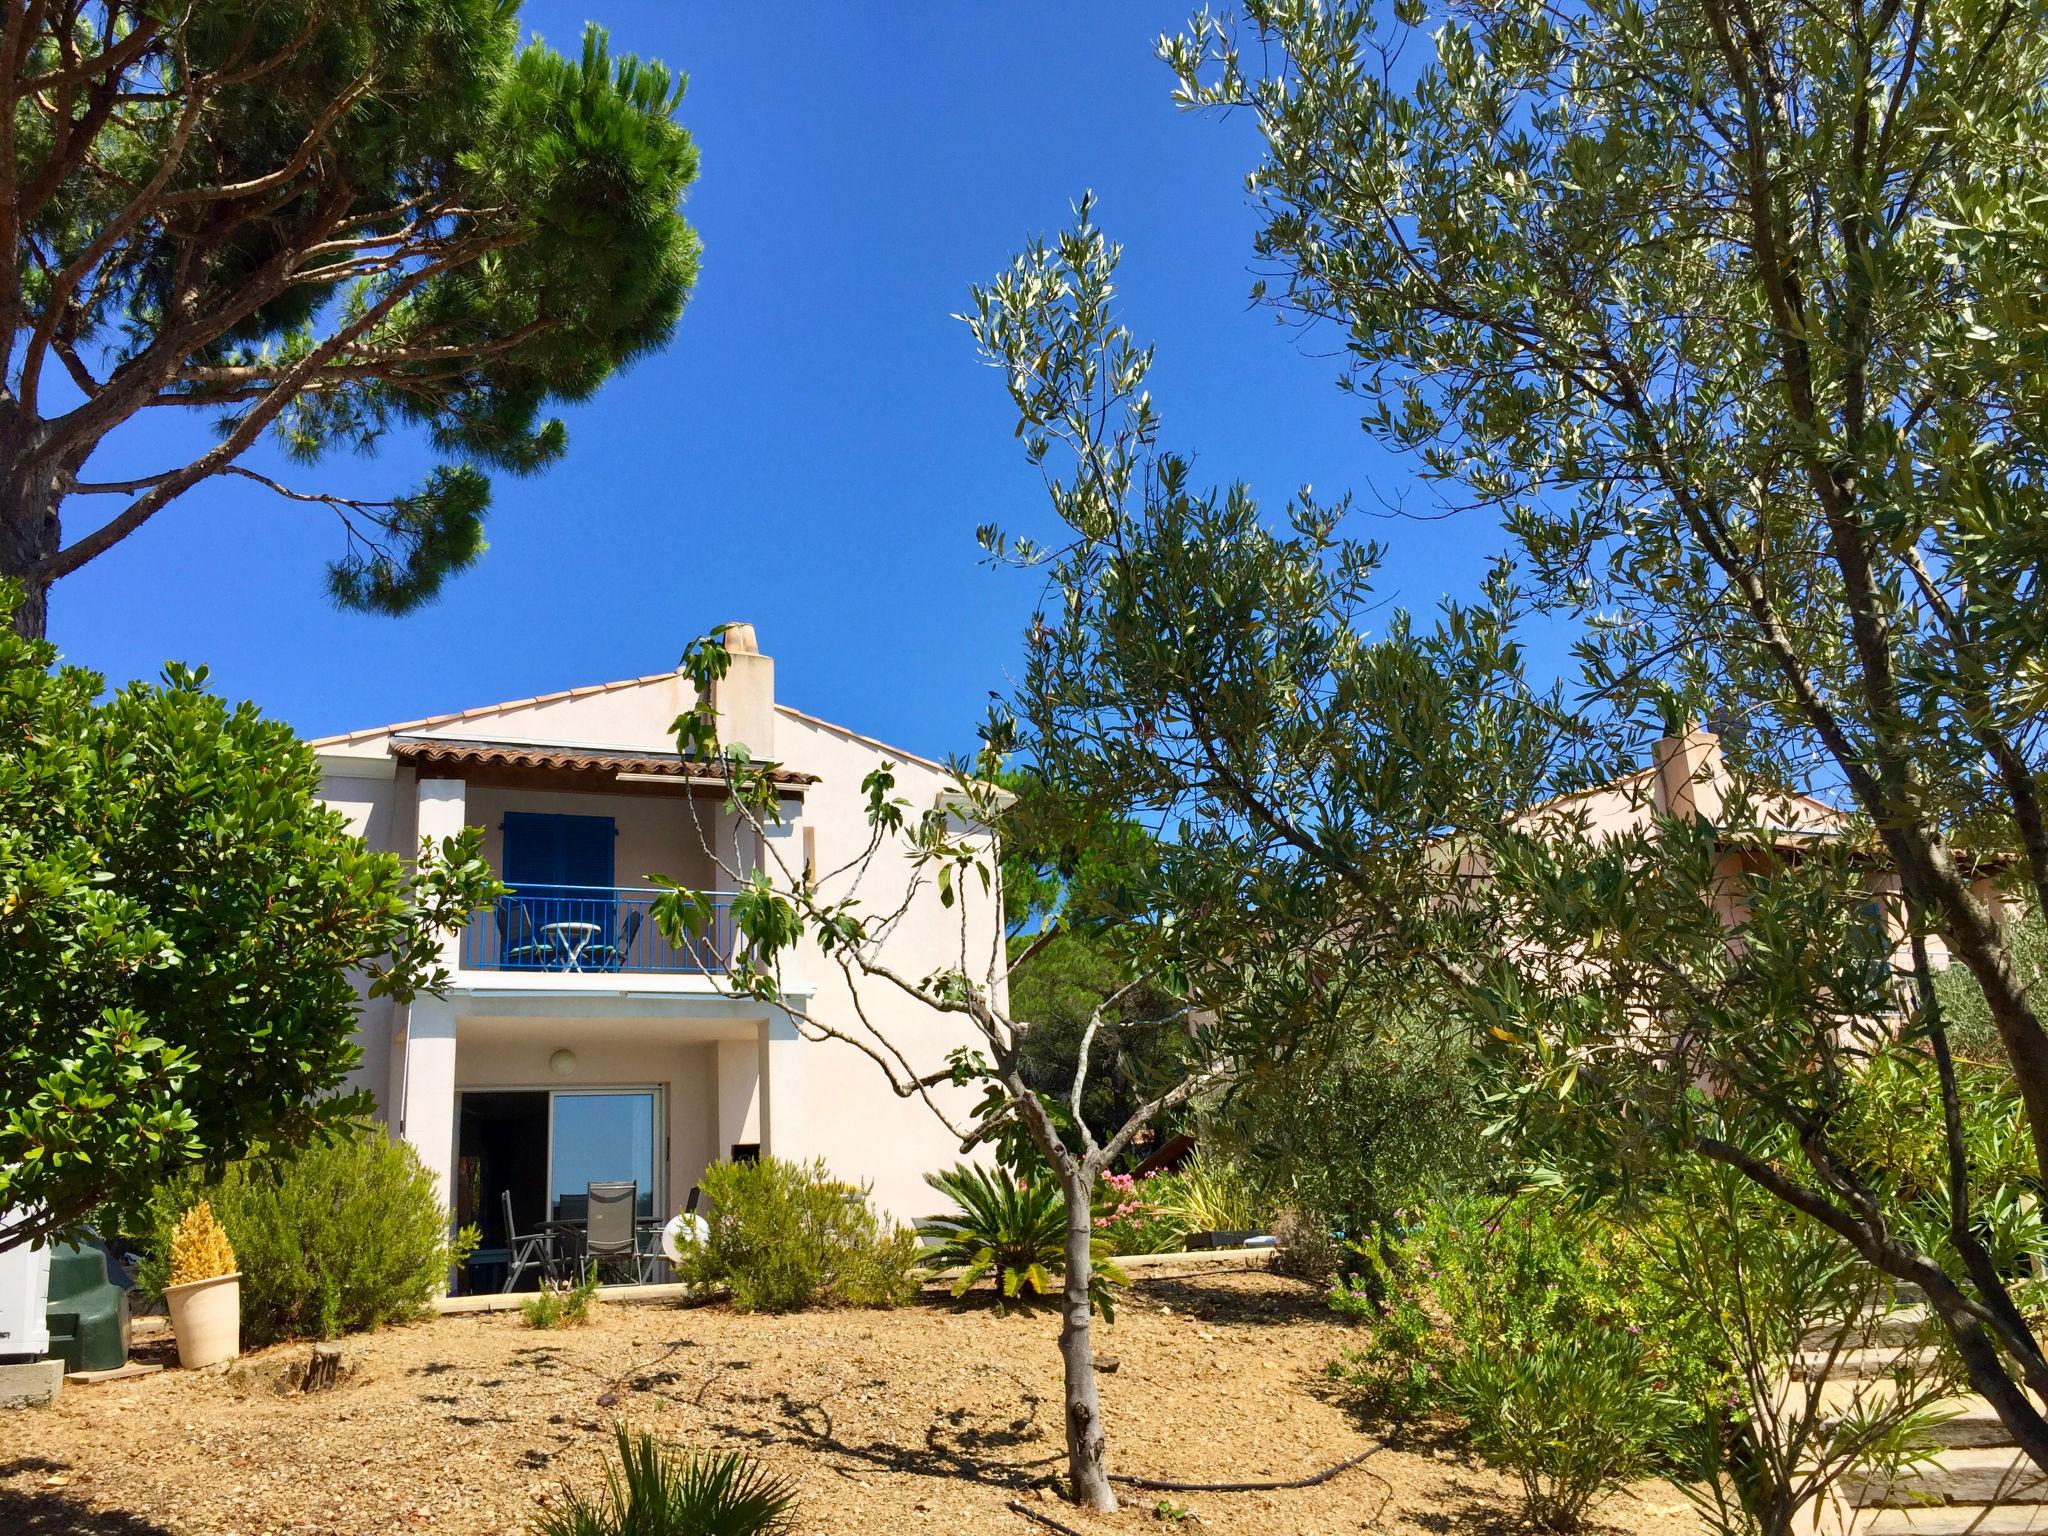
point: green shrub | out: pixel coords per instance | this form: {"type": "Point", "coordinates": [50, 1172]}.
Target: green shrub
{"type": "Point", "coordinates": [336, 1239]}
{"type": "Point", "coordinates": [1377, 1112]}
{"type": "Point", "coordinates": [562, 1306]}
{"type": "Point", "coordinates": [1399, 1372]}
{"type": "Point", "coordinates": [1769, 1283]}
{"type": "Point", "coordinates": [1011, 1232]}
{"type": "Point", "coordinates": [1305, 1248]}
{"type": "Point", "coordinates": [1455, 1302]}
{"type": "Point", "coordinates": [784, 1236]}
{"type": "Point", "coordinates": [652, 1491]}
{"type": "Point", "coordinates": [1568, 1415]}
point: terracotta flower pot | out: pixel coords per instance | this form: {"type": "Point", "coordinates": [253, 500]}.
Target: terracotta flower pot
{"type": "Point", "coordinates": [206, 1316]}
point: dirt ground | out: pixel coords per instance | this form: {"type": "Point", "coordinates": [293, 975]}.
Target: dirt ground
{"type": "Point", "coordinates": [925, 1420]}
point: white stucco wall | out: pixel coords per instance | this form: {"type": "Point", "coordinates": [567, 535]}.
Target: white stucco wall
{"type": "Point", "coordinates": [852, 1118]}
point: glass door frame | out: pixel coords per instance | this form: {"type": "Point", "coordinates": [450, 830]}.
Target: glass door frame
{"type": "Point", "coordinates": [658, 1092]}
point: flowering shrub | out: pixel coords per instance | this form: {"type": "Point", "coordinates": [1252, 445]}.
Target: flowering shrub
{"type": "Point", "coordinates": [1130, 1219]}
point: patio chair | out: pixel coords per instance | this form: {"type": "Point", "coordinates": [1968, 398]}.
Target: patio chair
{"type": "Point", "coordinates": [612, 956]}
{"type": "Point", "coordinates": [611, 1237]}
{"type": "Point", "coordinates": [544, 1250]}
{"type": "Point", "coordinates": [519, 944]}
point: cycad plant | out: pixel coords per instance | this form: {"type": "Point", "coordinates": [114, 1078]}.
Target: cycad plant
{"type": "Point", "coordinates": [1011, 1231]}
{"type": "Point", "coordinates": [654, 1491]}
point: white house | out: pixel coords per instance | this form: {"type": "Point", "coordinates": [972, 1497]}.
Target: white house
{"type": "Point", "coordinates": [576, 1043]}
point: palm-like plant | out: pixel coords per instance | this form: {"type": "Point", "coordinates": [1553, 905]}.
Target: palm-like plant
{"type": "Point", "coordinates": [653, 1491]}
{"type": "Point", "coordinates": [1012, 1231]}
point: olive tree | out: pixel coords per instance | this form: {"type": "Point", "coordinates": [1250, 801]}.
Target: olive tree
{"type": "Point", "coordinates": [948, 853]}
{"type": "Point", "coordinates": [1731, 311]}
{"type": "Point", "coordinates": [324, 220]}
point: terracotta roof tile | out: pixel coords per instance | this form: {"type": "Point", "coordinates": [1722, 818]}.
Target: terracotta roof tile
{"type": "Point", "coordinates": [443, 751]}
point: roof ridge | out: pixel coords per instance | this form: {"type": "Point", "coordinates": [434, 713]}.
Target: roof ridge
{"type": "Point", "coordinates": [345, 738]}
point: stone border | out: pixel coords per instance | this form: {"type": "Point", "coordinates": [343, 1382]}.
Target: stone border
{"type": "Point", "coordinates": [31, 1383]}
{"type": "Point", "coordinates": [1138, 1265]}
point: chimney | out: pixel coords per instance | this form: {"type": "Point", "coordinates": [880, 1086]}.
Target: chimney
{"type": "Point", "coordinates": [1688, 775]}
{"type": "Point", "coordinates": [745, 696]}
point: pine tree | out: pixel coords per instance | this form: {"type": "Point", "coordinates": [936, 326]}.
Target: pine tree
{"type": "Point", "coordinates": [323, 220]}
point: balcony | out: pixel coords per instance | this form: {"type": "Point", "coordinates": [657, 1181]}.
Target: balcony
{"type": "Point", "coordinates": [592, 929]}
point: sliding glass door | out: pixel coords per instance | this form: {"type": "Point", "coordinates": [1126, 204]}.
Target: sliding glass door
{"type": "Point", "coordinates": [598, 1137]}
{"type": "Point", "coordinates": [544, 1147]}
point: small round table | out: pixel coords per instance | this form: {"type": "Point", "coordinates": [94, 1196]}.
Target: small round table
{"type": "Point", "coordinates": [572, 939]}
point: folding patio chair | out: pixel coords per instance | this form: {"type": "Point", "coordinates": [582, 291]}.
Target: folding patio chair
{"type": "Point", "coordinates": [610, 1228]}
{"type": "Point", "coordinates": [519, 945]}
{"type": "Point", "coordinates": [539, 1250]}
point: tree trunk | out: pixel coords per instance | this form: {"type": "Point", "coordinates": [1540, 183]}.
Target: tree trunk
{"type": "Point", "coordinates": [1087, 1444]}
{"type": "Point", "coordinates": [28, 537]}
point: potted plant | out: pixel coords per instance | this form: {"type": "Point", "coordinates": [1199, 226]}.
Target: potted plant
{"type": "Point", "coordinates": [205, 1292]}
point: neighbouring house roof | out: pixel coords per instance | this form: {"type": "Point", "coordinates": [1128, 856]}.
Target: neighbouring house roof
{"type": "Point", "coordinates": [448, 752]}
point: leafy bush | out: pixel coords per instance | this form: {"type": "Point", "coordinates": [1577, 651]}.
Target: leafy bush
{"type": "Point", "coordinates": [1399, 1372]}
{"type": "Point", "coordinates": [1528, 1319]}
{"type": "Point", "coordinates": [1767, 1283]}
{"type": "Point", "coordinates": [1891, 1126]}
{"type": "Point", "coordinates": [1482, 1303]}
{"type": "Point", "coordinates": [1379, 1112]}
{"type": "Point", "coordinates": [562, 1306]}
{"type": "Point", "coordinates": [1304, 1249]}
{"type": "Point", "coordinates": [1012, 1232]}
{"type": "Point", "coordinates": [1973, 1035]}
{"type": "Point", "coordinates": [1568, 1416]}
{"type": "Point", "coordinates": [785, 1236]}
{"type": "Point", "coordinates": [652, 1491]}
{"type": "Point", "coordinates": [337, 1238]}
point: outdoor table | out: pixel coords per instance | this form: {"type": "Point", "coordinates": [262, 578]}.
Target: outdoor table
{"type": "Point", "coordinates": [646, 1242]}
{"type": "Point", "coordinates": [572, 939]}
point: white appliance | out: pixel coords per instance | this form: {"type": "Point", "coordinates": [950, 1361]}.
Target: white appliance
{"type": "Point", "coordinates": [24, 1299]}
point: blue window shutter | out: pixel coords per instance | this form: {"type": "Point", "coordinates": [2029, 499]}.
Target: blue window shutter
{"type": "Point", "coordinates": [543, 849]}
{"type": "Point", "coordinates": [532, 849]}
{"type": "Point", "coordinates": [589, 849]}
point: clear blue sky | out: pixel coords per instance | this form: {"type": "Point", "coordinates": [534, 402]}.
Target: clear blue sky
{"type": "Point", "coordinates": [816, 447]}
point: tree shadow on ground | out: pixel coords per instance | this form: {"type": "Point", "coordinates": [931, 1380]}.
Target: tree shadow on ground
{"type": "Point", "coordinates": [51, 1513]}
{"type": "Point", "coordinates": [963, 1446]}
{"type": "Point", "coordinates": [1465, 1508]}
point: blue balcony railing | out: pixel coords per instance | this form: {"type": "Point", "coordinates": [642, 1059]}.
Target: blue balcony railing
{"type": "Point", "coordinates": [591, 928]}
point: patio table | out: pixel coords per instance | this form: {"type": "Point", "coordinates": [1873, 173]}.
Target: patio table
{"type": "Point", "coordinates": [646, 1242]}
{"type": "Point", "coordinates": [570, 940]}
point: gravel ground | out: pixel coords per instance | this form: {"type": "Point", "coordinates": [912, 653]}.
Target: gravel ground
{"type": "Point", "coordinates": [925, 1420]}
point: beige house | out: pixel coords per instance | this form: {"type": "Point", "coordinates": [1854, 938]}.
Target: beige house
{"type": "Point", "coordinates": [1687, 778]}
{"type": "Point", "coordinates": [576, 1043]}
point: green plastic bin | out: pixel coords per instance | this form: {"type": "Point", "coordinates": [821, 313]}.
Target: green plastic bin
{"type": "Point", "coordinates": [88, 1309]}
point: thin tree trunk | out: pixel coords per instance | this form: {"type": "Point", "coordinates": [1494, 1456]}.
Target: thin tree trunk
{"type": "Point", "coordinates": [1087, 1444]}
